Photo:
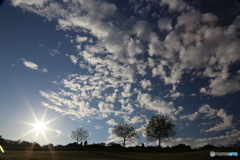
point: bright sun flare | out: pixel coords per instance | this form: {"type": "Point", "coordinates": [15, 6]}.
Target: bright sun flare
{"type": "Point", "coordinates": [40, 126]}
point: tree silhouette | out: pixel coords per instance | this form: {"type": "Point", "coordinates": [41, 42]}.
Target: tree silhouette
{"type": "Point", "coordinates": [85, 143]}
{"type": "Point", "coordinates": [125, 131]}
{"type": "Point", "coordinates": [160, 128]}
{"type": "Point", "coordinates": [80, 134]}
{"type": "Point", "coordinates": [2, 141]}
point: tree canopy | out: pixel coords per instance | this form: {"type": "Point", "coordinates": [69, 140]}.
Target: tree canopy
{"type": "Point", "coordinates": [160, 128]}
{"type": "Point", "coordinates": [80, 134]}
{"type": "Point", "coordinates": [125, 131]}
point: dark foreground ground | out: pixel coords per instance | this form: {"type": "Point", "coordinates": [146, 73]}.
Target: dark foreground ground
{"type": "Point", "coordinates": [108, 155]}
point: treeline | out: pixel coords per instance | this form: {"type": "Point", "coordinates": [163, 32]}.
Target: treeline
{"type": "Point", "coordinates": [26, 146]}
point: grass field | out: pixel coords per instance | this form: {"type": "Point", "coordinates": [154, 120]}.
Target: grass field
{"type": "Point", "coordinates": [105, 155]}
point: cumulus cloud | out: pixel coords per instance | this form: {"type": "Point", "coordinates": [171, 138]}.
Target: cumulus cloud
{"type": "Point", "coordinates": [105, 107]}
{"type": "Point", "coordinates": [111, 122]}
{"type": "Point", "coordinates": [146, 84]}
{"type": "Point", "coordinates": [165, 24]}
{"type": "Point", "coordinates": [174, 5]}
{"type": "Point", "coordinates": [81, 39]}
{"type": "Point", "coordinates": [135, 119]}
{"type": "Point", "coordinates": [112, 97]}
{"type": "Point", "coordinates": [210, 114]}
{"type": "Point", "coordinates": [74, 59]}
{"type": "Point", "coordinates": [226, 124]}
{"type": "Point", "coordinates": [155, 104]}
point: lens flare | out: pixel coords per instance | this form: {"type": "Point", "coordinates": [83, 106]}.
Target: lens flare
{"type": "Point", "coordinates": [2, 150]}
{"type": "Point", "coordinates": [40, 126]}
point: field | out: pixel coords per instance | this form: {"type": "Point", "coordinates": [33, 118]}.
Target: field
{"type": "Point", "coordinates": [106, 155]}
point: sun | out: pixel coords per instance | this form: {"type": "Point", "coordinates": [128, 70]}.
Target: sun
{"type": "Point", "coordinates": [39, 126]}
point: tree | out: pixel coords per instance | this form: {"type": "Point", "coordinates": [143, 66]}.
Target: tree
{"type": "Point", "coordinates": [80, 134]}
{"type": "Point", "coordinates": [2, 141]}
{"type": "Point", "coordinates": [125, 131]}
{"type": "Point", "coordinates": [85, 143]}
{"type": "Point", "coordinates": [160, 128]}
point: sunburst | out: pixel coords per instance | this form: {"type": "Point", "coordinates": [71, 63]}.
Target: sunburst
{"type": "Point", "coordinates": [40, 126]}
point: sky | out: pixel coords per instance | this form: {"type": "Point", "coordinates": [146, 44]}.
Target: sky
{"type": "Point", "coordinates": [96, 63]}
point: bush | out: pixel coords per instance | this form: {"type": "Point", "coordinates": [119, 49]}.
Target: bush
{"type": "Point", "coordinates": [181, 146]}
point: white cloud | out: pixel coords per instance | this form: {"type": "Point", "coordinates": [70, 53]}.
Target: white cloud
{"type": "Point", "coordinates": [44, 70]}
{"type": "Point", "coordinates": [165, 24]}
{"type": "Point", "coordinates": [210, 113]}
{"type": "Point", "coordinates": [226, 139]}
{"type": "Point", "coordinates": [30, 64]}
{"type": "Point", "coordinates": [53, 52]}
{"type": "Point", "coordinates": [112, 97]}
{"type": "Point", "coordinates": [142, 29]}
{"type": "Point", "coordinates": [209, 18]}
{"type": "Point", "coordinates": [180, 109]}
{"type": "Point", "coordinates": [58, 132]}
{"type": "Point", "coordinates": [188, 20]}
{"type": "Point", "coordinates": [193, 94]}
{"type": "Point", "coordinates": [190, 117]}
{"type": "Point", "coordinates": [74, 59]}
{"type": "Point", "coordinates": [98, 127]}
{"type": "Point", "coordinates": [127, 108]}
{"type": "Point", "coordinates": [135, 119]}
{"type": "Point", "coordinates": [146, 84]}
{"type": "Point", "coordinates": [29, 2]}
{"type": "Point", "coordinates": [111, 122]}
{"type": "Point", "coordinates": [174, 5]}
{"type": "Point", "coordinates": [221, 87]}
{"type": "Point", "coordinates": [127, 92]}
{"type": "Point", "coordinates": [155, 104]}
{"type": "Point", "coordinates": [226, 124]}
{"type": "Point", "coordinates": [175, 95]}
{"type": "Point", "coordinates": [105, 107]}
{"type": "Point", "coordinates": [81, 39]}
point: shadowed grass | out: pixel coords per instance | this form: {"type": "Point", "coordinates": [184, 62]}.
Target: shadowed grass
{"type": "Point", "coordinates": [105, 155]}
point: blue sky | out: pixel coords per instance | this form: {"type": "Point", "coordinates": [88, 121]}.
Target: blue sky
{"type": "Point", "coordinates": [93, 64]}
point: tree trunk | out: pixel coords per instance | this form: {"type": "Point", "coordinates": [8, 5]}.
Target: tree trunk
{"type": "Point", "coordinates": [124, 141]}
{"type": "Point", "coordinates": [159, 142]}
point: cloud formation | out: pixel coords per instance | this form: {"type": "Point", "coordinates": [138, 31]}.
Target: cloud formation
{"type": "Point", "coordinates": [133, 64]}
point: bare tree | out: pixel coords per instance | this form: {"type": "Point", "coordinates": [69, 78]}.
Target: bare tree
{"type": "Point", "coordinates": [160, 128]}
{"type": "Point", "coordinates": [125, 131]}
{"type": "Point", "coordinates": [80, 134]}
